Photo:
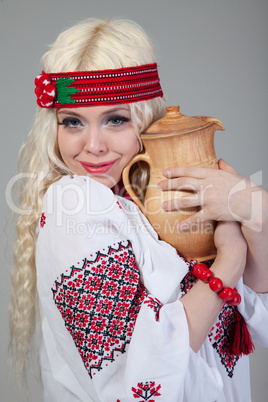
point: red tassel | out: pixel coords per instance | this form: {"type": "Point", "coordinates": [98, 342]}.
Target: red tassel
{"type": "Point", "coordinates": [240, 342]}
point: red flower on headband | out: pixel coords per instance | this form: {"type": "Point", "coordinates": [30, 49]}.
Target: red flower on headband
{"type": "Point", "coordinates": [45, 91]}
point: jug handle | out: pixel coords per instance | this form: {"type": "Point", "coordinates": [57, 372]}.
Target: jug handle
{"type": "Point", "coordinates": [125, 177]}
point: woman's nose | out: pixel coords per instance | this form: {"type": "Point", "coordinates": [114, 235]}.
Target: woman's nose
{"type": "Point", "coordinates": [95, 141]}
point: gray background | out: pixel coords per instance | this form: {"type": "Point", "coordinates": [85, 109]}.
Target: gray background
{"type": "Point", "coordinates": [213, 60]}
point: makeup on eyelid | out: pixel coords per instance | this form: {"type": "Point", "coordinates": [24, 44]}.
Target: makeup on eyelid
{"type": "Point", "coordinates": [97, 141]}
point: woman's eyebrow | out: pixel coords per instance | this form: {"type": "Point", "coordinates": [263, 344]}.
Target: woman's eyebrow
{"type": "Point", "coordinates": [66, 111]}
{"type": "Point", "coordinates": [117, 109]}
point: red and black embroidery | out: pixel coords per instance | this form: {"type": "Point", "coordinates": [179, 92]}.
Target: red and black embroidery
{"type": "Point", "coordinates": [99, 303]}
{"type": "Point", "coordinates": [43, 220]}
{"type": "Point", "coordinates": [146, 390]}
{"type": "Point", "coordinates": [154, 304]}
{"type": "Point", "coordinates": [188, 281]}
{"type": "Point", "coordinates": [219, 335]}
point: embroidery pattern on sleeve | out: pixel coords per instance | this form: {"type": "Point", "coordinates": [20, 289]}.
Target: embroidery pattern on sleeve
{"type": "Point", "coordinates": [99, 303]}
{"type": "Point", "coordinates": [146, 390]}
{"type": "Point", "coordinates": [219, 338]}
{"type": "Point", "coordinates": [154, 304]}
{"type": "Point", "coordinates": [219, 334]}
{"type": "Point", "coordinates": [43, 220]}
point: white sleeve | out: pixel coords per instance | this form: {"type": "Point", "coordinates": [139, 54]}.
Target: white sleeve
{"type": "Point", "coordinates": [113, 325]}
{"type": "Point", "coordinates": [254, 309]}
{"type": "Point", "coordinates": [55, 371]}
{"type": "Point", "coordinates": [160, 351]}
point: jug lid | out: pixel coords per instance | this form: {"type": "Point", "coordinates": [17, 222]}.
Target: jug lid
{"type": "Point", "coordinates": [175, 121]}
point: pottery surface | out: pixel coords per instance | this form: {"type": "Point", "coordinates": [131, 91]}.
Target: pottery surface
{"type": "Point", "coordinates": [176, 140]}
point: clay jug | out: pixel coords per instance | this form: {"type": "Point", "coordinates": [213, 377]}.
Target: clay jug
{"type": "Point", "coordinates": [175, 140]}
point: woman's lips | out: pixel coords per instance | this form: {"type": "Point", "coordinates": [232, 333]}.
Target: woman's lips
{"type": "Point", "coordinates": [97, 168]}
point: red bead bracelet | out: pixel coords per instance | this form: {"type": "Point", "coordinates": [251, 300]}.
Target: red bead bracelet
{"type": "Point", "coordinates": [229, 295]}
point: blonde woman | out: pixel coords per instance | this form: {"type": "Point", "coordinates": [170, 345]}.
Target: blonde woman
{"type": "Point", "coordinates": [122, 316]}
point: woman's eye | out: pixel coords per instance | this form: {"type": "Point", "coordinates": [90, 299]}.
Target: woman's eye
{"type": "Point", "coordinates": [70, 122]}
{"type": "Point", "coordinates": [117, 120]}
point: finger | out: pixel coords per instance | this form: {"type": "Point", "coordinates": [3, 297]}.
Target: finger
{"type": "Point", "coordinates": [225, 166]}
{"type": "Point", "coordinates": [192, 222]}
{"type": "Point", "coordinates": [182, 203]}
{"type": "Point", "coordinates": [180, 184]}
{"type": "Point", "coordinates": [187, 171]}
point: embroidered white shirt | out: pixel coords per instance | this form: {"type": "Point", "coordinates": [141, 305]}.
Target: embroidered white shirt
{"type": "Point", "coordinates": [113, 326]}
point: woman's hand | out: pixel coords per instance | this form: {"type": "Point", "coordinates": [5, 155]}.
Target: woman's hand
{"type": "Point", "coordinates": [201, 305]}
{"type": "Point", "coordinates": [228, 238]}
{"type": "Point", "coordinates": [231, 251]}
{"type": "Point", "coordinates": [223, 194]}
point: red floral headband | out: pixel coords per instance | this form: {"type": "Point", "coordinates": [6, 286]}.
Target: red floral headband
{"type": "Point", "coordinates": [92, 88]}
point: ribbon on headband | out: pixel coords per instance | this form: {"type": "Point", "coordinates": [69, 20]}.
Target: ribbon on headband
{"type": "Point", "coordinates": [93, 88]}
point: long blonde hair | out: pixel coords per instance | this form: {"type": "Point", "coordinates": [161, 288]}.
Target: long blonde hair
{"type": "Point", "coordinates": [89, 45]}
